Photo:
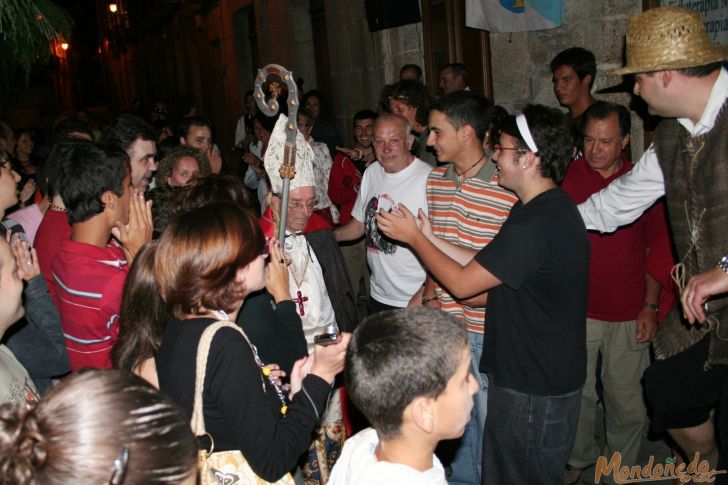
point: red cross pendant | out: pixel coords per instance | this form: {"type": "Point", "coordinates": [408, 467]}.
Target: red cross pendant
{"type": "Point", "coordinates": [299, 300]}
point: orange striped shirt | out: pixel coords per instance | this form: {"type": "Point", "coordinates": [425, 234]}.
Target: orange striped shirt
{"type": "Point", "coordinates": [468, 215]}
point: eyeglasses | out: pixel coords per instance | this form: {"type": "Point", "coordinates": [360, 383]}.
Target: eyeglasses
{"type": "Point", "coordinates": [297, 205]}
{"type": "Point", "coordinates": [498, 146]}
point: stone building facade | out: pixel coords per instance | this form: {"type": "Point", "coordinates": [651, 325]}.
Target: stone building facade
{"type": "Point", "coordinates": [212, 48]}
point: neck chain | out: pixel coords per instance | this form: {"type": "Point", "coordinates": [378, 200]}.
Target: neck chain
{"type": "Point", "coordinates": [296, 279]}
{"type": "Point", "coordinates": [265, 371]}
{"type": "Point", "coordinates": [461, 174]}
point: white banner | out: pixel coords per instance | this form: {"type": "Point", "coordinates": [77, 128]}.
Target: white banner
{"type": "Point", "coordinates": [514, 15]}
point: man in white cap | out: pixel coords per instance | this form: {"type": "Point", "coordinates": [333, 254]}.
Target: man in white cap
{"type": "Point", "coordinates": [679, 73]}
{"type": "Point", "coordinates": [318, 282]}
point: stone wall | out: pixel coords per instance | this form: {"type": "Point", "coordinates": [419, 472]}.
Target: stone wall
{"type": "Point", "coordinates": [363, 62]}
{"type": "Point", "coordinates": [521, 72]}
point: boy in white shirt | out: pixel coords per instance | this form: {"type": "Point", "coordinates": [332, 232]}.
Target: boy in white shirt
{"type": "Point", "coordinates": [408, 371]}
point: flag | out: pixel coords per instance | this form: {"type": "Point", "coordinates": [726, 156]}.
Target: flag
{"type": "Point", "coordinates": [514, 15]}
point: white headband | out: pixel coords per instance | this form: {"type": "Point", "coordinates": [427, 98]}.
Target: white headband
{"type": "Point", "coordinates": [526, 133]}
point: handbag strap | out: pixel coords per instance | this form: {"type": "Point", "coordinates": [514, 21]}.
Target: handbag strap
{"type": "Point", "coordinates": [203, 351]}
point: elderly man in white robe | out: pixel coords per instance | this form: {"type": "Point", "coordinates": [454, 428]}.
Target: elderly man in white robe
{"type": "Point", "coordinates": [319, 283]}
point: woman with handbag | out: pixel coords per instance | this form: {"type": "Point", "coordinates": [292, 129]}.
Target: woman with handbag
{"type": "Point", "coordinates": [207, 262]}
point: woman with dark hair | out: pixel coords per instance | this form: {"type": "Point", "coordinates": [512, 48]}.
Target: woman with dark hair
{"type": "Point", "coordinates": [324, 130]}
{"type": "Point", "coordinates": [207, 262]}
{"type": "Point", "coordinates": [97, 426]}
{"type": "Point", "coordinates": [26, 165]}
{"type": "Point", "coordinates": [268, 316]}
{"type": "Point", "coordinates": [142, 319]}
{"type": "Point", "coordinates": [255, 176]}
{"type": "Point", "coordinates": [321, 168]}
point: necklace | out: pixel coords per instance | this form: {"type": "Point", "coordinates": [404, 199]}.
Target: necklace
{"type": "Point", "coordinates": [58, 208]}
{"type": "Point", "coordinates": [460, 174]}
{"type": "Point", "coordinates": [296, 279]}
{"type": "Point", "coordinates": [265, 371]}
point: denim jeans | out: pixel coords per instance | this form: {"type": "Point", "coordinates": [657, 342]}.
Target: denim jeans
{"type": "Point", "coordinates": [528, 438]}
{"type": "Point", "coordinates": [466, 461]}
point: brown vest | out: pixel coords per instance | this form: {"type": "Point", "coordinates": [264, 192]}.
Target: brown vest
{"type": "Point", "coordinates": [696, 190]}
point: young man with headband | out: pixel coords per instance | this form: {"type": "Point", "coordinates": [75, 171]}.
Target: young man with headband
{"type": "Point", "coordinates": [536, 271]}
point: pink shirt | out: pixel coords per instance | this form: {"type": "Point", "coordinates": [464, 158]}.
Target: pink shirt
{"type": "Point", "coordinates": [29, 217]}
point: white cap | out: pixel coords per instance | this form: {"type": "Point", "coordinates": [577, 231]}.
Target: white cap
{"type": "Point", "coordinates": [274, 158]}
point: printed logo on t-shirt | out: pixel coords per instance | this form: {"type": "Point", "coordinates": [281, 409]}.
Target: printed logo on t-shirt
{"type": "Point", "coordinates": [376, 241]}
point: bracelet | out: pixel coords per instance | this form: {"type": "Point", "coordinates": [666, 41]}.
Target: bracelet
{"type": "Point", "coordinates": [652, 306]}
{"type": "Point", "coordinates": [425, 299]}
{"type": "Point", "coordinates": [723, 264]}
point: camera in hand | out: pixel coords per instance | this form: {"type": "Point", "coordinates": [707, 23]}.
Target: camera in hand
{"type": "Point", "coordinates": [329, 336]}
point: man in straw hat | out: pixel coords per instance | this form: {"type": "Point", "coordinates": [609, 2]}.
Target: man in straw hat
{"type": "Point", "coordinates": [679, 73]}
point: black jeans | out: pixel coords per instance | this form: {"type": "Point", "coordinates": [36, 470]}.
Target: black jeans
{"type": "Point", "coordinates": [377, 306]}
{"type": "Point", "coordinates": [528, 438]}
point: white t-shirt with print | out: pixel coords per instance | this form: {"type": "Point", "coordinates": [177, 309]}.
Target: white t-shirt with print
{"type": "Point", "coordinates": [396, 272]}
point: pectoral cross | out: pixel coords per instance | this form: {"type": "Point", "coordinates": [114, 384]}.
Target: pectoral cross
{"type": "Point", "coordinates": [299, 300]}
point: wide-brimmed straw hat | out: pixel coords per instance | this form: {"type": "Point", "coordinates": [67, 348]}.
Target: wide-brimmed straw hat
{"type": "Point", "coordinates": [668, 38]}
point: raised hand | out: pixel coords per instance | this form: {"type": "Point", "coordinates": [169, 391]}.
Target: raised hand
{"type": "Point", "coordinates": [276, 276]}
{"type": "Point", "coordinates": [399, 224]}
{"type": "Point", "coordinates": [329, 360]}
{"type": "Point", "coordinates": [26, 259]}
{"type": "Point", "coordinates": [138, 231]}
{"type": "Point", "coordinates": [699, 288]}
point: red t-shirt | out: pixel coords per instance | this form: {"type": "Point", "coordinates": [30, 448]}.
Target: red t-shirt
{"type": "Point", "coordinates": [89, 285]}
{"type": "Point", "coordinates": [53, 230]}
{"type": "Point", "coordinates": [619, 260]}
{"type": "Point", "coordinates": [344, 182]}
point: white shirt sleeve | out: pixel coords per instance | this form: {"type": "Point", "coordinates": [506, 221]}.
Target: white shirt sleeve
{"type": "Point", "coordinates": [625, 199]}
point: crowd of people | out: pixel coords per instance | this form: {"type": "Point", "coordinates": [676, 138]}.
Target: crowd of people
{"type": "Point", "coordinates": [454, 297]}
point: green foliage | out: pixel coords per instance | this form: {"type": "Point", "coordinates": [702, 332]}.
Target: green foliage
{"type": "Point", "coordinates": [27, 28]}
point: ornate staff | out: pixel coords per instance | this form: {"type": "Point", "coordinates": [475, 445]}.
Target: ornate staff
{"type": "Point", "coordinates": [271, 108]}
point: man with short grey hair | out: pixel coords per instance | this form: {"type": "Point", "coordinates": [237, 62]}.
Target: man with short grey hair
{"type": "Point", "coordinates": [395, 177]}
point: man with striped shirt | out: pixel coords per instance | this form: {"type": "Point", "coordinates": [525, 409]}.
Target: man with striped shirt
{"type": "Point", "coordinates": [467, 208]}
{"type": "Point", "coordinates": [89, 271]}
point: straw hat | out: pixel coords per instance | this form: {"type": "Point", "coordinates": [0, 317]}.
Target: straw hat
{"type": "Point", "coordinates": [273, 159]}
{"type": "Point", "coordinates": [668, 38]}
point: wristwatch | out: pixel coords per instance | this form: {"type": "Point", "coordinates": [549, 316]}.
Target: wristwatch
{"type": "Point", "coordinates": [723, 264]}
{"type": "Point", "coordinates": [652, 306]}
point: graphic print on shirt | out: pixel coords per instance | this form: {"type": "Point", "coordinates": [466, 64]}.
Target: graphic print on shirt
{"type": "Point", "coordinates": [376, 241]}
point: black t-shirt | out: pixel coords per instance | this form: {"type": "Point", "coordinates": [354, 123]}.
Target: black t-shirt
{"type": "Point", "coordinates": [275, 330]}
{"type": "Point", "coordinates": [535, 341]}
{"type": "Point", "coordinates": [239, 412]}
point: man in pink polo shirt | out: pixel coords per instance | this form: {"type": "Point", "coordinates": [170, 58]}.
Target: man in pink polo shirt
{"type": "Point", "coordinates": [90, 269]}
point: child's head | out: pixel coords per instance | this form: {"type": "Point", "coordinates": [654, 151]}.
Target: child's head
{"type": "Point", "coordinates": [411, 366]}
